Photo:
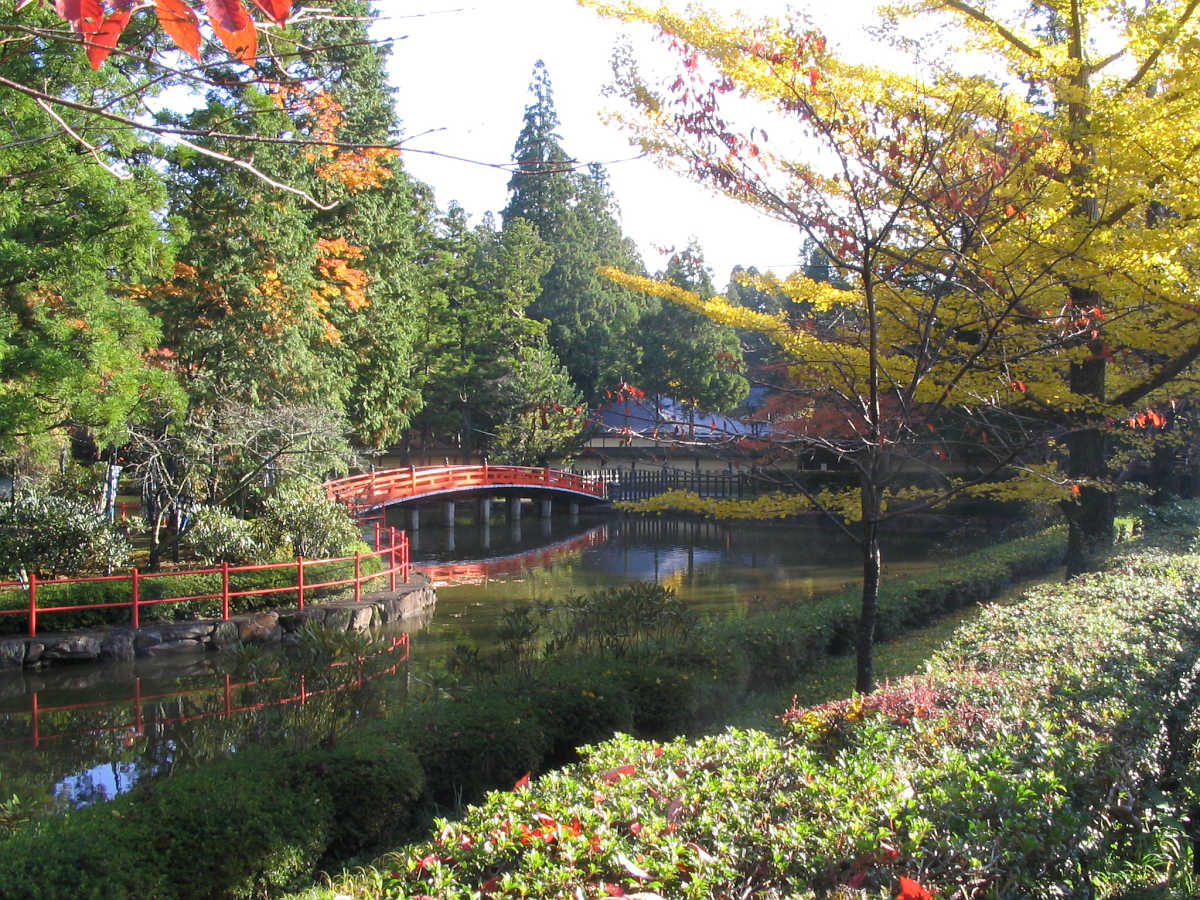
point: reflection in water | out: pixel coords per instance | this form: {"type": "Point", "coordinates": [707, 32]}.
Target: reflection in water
{"type": "Point", "coordinates": [475, 571]}
{"type": "Point", "coordinates": [78, 734]}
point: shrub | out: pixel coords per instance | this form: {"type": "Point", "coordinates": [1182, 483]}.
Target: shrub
{"type": "Point", "coordinates": [374, 783]}
{"type": "Point", "coordinates": [615, 622]}
{"type": "Point", "coordinates": [485, 737]}
{"type": "Point", "coordinates": [578, 703]}
{"type": "Point", "coordinates": [216, 535]}
{"type": "Point", "coordinates": [300, 520]}
{"type": "Point", "coordinates": [1029, 762]}
{"type": "Point", "coordinates": [55, 535]}
{"type": "Point", "coordinates": [233, 829]}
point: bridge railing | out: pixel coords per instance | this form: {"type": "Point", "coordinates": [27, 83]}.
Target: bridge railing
{"type": "Point", "coordinates": [394, 555]}
{"type": "Point", "coordinates": [370, 488]}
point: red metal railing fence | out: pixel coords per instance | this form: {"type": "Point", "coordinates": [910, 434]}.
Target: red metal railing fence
{"type": "Point", "coordinates": [395, 557]}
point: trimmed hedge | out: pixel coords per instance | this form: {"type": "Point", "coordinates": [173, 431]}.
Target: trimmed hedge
{"type": "Point", "coordinates": [325, 805]}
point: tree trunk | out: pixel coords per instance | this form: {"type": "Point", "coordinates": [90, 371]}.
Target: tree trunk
{"type": "Point", "coordinates": [1090, 518]}
{"type": "Point", "coordinates": [864, 681]}
{"type": "Point", "coordinates": [1090, 515]}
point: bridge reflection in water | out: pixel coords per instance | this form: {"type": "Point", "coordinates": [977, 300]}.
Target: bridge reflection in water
{"type": "Point", "coordinates": [478, 571]}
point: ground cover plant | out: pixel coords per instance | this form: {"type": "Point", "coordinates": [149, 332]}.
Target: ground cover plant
{"type": "Point", "coordinates": [1047, 751]}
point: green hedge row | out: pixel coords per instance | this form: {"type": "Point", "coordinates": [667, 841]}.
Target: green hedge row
{"type": "Point", "coordinates": [1046, 754]}
{"type": "Point", "coordinates": [160, 586]}
{"type": "Point", "coordinates": [459, 746]}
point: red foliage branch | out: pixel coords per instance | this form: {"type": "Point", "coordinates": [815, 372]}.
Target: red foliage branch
{"type": "Point", "coordinates": [101, 22]}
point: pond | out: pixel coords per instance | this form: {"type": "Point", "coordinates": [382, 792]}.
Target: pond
{"type": "Point", "coordinates": [80, 734]}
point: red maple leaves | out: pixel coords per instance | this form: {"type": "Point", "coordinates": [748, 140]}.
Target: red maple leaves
{"type": "Point", "coordinates": [101, 22]}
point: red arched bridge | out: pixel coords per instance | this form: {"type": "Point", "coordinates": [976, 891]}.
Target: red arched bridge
{"type": "Point", "coordinates": [370, 492]}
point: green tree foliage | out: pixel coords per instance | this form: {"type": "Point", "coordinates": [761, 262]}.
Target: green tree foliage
{"type": "Point", "coordinates": [299, 303]}
{"type": "Point", "coordinates": [686, 355]}
{"type": "Point", "coordinates": [542, 410]}
{"type": "Point", "coordinates": [485, 363]}
{"type": "Point", "coordinates": [592, 322]}
{"type": "Point", "coordinates": [71, 235]}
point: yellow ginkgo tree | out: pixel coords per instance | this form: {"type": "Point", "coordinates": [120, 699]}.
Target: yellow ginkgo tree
{"type": "Point", "coordinates": [963, 199]}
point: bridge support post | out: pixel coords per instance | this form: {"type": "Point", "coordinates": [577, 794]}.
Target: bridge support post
{"type": "Point", "coordinates": [514, 509]}
{"type": "Point", "coordinates": [484, 510]}
{"type": "Point", "coordinates": [547, 508]}
{"type": "Point", "coordinates": [449, 508]}
{"type": "Point", "coordinates": [414, 519]}
{"type": "Point", "coordinates": [573, 512]}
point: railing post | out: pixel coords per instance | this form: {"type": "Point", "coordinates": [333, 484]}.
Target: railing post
{"type": "Point", "coordinates": [137, 705]}
{"type": "Point", "coordinates": [378, 528]}
{"type": "Point", "coordinates": [300, 582]}
{"type": "Point", "coordinates": [225, 590]}
{"type": "Point", "coordinates": [135, 597]}
{"type": "Point", "coordinates": [32, 604]}
{"type": "Point", "coordinates": [392, 557]}
{"type": "Point", "coordinates": [357, 576]}
{"type": "Point", "coordinates": [405, 563]}
{"type": "Point", "coordinates": [228, 695]}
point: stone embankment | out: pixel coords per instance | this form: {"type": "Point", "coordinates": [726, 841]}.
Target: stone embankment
{"type": "Point", "coordinates": [410, 602]}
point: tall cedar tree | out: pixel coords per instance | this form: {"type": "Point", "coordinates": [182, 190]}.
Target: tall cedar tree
{"type": "Point", "coordinates": [592, 322]}
{"type": "Point", "coordinates": [686, 355]}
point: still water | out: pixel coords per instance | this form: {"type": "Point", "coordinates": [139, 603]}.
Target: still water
{"type": "Point", "coordinates": [75, 735]}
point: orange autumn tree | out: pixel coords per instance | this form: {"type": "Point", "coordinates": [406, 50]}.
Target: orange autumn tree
{"type": "Point", "coordinates": [912, 185]}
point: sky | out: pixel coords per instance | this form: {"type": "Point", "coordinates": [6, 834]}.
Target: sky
{"type": "Point", "coordinates": [462, 72]}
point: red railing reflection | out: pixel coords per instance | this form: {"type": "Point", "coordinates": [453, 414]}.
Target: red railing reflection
{"type": "Point", "coordinates": [478, 571]}
{"type": "Point", "coordinates": [227, 691]}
